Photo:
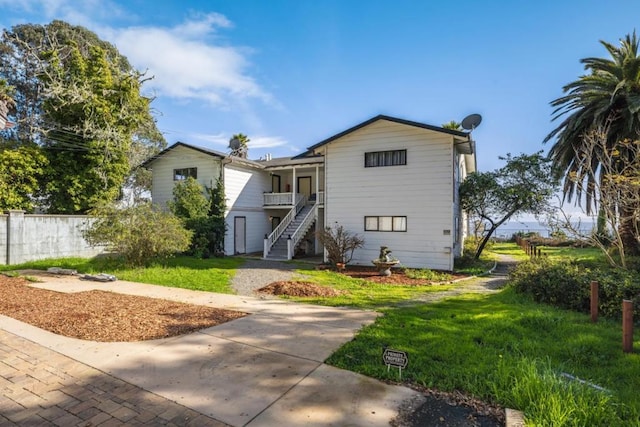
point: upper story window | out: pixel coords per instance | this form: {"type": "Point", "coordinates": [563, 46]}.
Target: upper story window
{"type": "Point", "coordinates": [385, 158]}
{"type": "Point", "coordinates": [182, 174]}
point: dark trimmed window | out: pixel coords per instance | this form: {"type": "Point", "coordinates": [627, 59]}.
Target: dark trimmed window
{"type": "Point", "coordinates": [385, 158]}
{"type": "Point", "coordinates": [385, 223]}
{"type": "Point", "coordinates": [182, 174]}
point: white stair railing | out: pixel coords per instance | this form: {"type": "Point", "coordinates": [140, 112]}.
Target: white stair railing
{"type": "Point", "coordinates": [272, 238]}
{"type": "Point", "coordinates": [300, 232]}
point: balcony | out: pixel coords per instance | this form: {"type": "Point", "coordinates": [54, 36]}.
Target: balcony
{"type": "Point", "coordinates": [275, 200]}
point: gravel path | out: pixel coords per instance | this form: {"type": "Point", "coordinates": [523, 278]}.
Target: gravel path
{"type": "Point", "coordinates": [491, 283]}
{"type": "Point", "coordinates": [256, 273]}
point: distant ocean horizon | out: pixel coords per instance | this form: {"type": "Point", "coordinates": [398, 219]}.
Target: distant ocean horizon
{"type": "Point", "coordinates": [510, 228]}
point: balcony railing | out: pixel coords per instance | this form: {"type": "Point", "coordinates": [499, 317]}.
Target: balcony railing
{"type": "Point", "coordinates": [286, 199]}
{"type": "Point", "coordinates": [278, 199]}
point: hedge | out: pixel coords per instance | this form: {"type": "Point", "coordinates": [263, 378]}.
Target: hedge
{"type": "Point", "coordinates": [566, 284]}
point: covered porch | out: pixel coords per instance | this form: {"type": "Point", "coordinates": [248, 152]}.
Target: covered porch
{"type": "Point", "coordinates": [288, 180]}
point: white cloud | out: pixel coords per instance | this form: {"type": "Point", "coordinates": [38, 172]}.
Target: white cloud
{"type": "Point", "coordinates": [189, 61]}
{"type": "Point", "coordinates": [256, 142]}
{"type": "Point", "coordinates": [267, 142]}
{"type": "Point", "coordinates": [203, 26]}
{"type": "Point", "coordinates": [187, 64]}
{"type": "Point", "coordinates": [76, 12]}
{"type": "Point", "coordinates": [215, 139]}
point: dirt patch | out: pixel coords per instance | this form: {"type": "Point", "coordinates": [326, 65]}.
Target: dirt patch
{"type": "Point", "coordinates": [298, 289]}
{"type": "Point", "coordinates": [398, 277]}
{"type": "Point", "coordinates": [105, 316]}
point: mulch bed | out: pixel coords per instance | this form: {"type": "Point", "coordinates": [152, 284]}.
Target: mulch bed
{"type": "Point", "coordinates": [298, 289]}
{"type": "Point", "coordinates": [398, 276]}
{"type": "Point", "coordinates": [370, 274]}
{"type": "Point", "coordinates": [105, 316]}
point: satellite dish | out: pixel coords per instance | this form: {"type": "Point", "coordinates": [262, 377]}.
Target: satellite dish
{"type": "Point", "coordinates": [234, 144]}
{"type": "Point", "coordinates": [471, 121]}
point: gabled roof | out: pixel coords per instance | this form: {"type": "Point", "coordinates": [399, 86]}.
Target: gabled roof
{"type": "Point", "coordinates": [462, 135]}
{"type": "Point", "coordinates": [203, 150]}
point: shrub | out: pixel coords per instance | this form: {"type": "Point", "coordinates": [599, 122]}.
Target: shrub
{"type": "Point", "coordinates": [566, 284]}
{"type": "Point", "coordinates": [138, 233]}
{"type": "Point", "coordinates": [339, 243]}
{"type": "Point", "coordinates": [202, 211]}
{"type": "Point", "coordinates": [189, 200]}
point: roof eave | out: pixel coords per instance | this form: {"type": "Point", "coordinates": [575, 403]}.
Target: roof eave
{"type": "Point", "coordinates": [455, 133]}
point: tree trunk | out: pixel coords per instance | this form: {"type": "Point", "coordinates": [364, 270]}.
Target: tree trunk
{"type": "Point", "coordinates": [628, 233]}
{"type": "Point", "coordinates": [485, 241]}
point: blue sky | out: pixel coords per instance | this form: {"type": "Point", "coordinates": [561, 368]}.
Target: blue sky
{"type": "Point", "coordinates": [292, 73]}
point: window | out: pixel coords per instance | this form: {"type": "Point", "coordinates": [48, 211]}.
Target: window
{"type": "Point", "coordinates": [182, 174]}
{"type": "Point", "coordinates": [385, 223]}
{"type": "Point", "coordinates": [385, 158]}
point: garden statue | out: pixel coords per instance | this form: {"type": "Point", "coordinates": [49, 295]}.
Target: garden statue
{"type": "Point", "coordinates": [384, 253]}
{"type": "Point", "coordinates": [385, 261]}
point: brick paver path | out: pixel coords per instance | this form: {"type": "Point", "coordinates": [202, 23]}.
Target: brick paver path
{"type": "Point", "coordinates": [39, 387]}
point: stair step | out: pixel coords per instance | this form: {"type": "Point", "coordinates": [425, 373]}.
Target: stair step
{"type": "Point", "coordinates": [280, 247]}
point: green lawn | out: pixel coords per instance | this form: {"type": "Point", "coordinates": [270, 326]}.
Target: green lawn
{"type": "Point", "coordinates": [510, 249]}
{"type": "Point", "coordinates": [507, 349]}
{"type": "Point", "coordinates": [360, 293]}
{"type": "Point", "coordinates": [584, 255]}
{"type": "Point", "coordinates": [502, 347]}
{"type": "Point", "coordinates": [213, 275]}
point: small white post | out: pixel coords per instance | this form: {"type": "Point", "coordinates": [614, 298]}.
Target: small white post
{"type": "Point", "coordinates": [265, 250]}
{"type": "Point", "coordinates": [289, 248]}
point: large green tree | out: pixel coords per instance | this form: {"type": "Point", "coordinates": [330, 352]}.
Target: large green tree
{"type": "Point", "coordinates": [524, 185]}
{"type": "Point", "coordinates": [80, 100]}
{"type": "Point", "coordinates": [202, 209]}
{"type": "Point", "coordinates": [606, 97]}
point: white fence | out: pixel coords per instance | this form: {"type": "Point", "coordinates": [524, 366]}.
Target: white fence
{"type": "Point", "coordinates": [26, 238]}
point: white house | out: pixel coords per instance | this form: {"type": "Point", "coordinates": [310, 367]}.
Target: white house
{"type": "Point", "coordinates": [392, 181]}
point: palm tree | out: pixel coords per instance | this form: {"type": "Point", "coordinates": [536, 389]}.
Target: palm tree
{"type": "Point", "coordinates": [453, 125]}
{"type": "Point", "coordinates": [608, 97]}
{"type": "Point", "coordinates": [243, 145]}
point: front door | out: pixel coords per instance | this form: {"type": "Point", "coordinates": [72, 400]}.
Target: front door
{"type": "Point", "coordinates": [275, 183]}
{"type": "Point", "coordinates": [304, 186]}
{"type": "Point", "coordinates": [239, 235]}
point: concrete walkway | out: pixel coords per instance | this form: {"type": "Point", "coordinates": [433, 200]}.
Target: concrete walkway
{"type": "Point", "coordinates": [247, 372]}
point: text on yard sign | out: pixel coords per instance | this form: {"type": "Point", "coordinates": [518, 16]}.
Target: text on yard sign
{"type": "Point", "coordinates": [395, 358]}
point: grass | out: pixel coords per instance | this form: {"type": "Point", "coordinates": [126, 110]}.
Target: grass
{"type": "Point", "coordinates": [583, 255]}
{"type": "Point", "coordinates": [359, 293]}
{"type": "Point", "coordinates": [510, 249]}
{"type": "Point", "coordinates": [501, 347]}
{"type": "Point", "coordinates": [426, 274]}
{"type": "Point", "coordinates": [213, 275]}
{"type": "Point", "coordinates": [507, 349]}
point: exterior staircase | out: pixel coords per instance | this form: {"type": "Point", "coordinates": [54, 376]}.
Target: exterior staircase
{"type": "Point", "coordinates": [279, 249]}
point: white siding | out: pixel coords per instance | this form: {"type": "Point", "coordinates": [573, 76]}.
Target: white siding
{"type": "Point", "coordinates": [179, 158]}
{"type": "Point", "coordinates": [420, 190]}
{"type": "Point", "coordinates": [244, 188]}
